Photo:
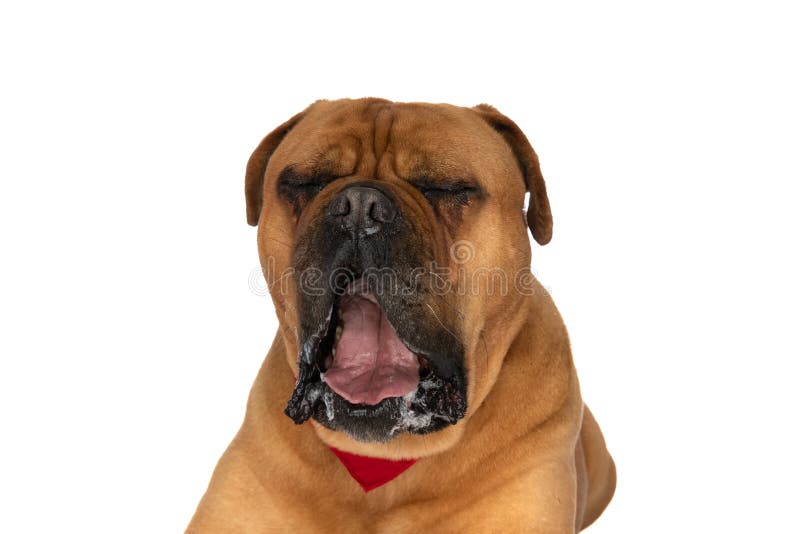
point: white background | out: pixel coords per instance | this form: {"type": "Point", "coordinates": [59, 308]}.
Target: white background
{"type": "Point", "coordinates": [130, 332]}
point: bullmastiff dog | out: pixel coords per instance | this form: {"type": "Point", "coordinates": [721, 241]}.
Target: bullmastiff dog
{"type": "Point", "coordinates": [421, 379]}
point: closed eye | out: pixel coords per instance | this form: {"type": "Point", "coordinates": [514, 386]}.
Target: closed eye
{"type": "Point", "coordinates": [302, 186]}
{"type": "Point", "coordinates": [299, 188]}
{"type": "Point", "coordinates": [459, 191]}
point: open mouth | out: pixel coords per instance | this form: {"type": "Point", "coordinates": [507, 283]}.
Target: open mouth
{"type": "Point", "coordinates": [368, 361]}
{"type": "Point", "coordinates": [360, 376]}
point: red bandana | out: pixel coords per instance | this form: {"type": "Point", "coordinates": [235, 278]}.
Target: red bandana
{"type": "Point", "coordinates": [370, 472]}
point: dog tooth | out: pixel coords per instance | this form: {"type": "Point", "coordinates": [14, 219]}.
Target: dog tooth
{"type": "Point", "coordinates": [338, 332]}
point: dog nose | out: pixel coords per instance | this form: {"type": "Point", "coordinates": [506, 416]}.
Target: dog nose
{"type": "Point", "coordinates": [362, 207]}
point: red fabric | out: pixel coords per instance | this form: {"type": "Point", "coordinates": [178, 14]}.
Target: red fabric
{"type": "Point", "coordinates": [369, 472]}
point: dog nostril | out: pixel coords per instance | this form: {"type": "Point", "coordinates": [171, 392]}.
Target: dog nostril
{"type": "Point", "coordinates": [383, 212]}
{"type": "Point", "coordinates": [339, 206]}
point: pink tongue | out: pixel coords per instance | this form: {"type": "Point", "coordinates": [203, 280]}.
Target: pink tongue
{"type": "Point", "coordinates": [371, 363]}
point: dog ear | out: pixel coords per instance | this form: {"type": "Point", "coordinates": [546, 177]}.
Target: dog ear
{"type": "Point", "coordinates": [540, 220]}
{"type": "Point", "coordinates": [257, 166]}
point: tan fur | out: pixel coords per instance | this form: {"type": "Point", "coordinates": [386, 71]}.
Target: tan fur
{"type": "Point", "coordinates": [528, 456]}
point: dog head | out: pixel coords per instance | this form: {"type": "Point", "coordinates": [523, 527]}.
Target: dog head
{"type": "Point", "coordinates": [394, 242]}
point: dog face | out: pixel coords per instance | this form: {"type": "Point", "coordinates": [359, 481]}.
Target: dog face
{"type": "Point", "coordinates": [393, 240]}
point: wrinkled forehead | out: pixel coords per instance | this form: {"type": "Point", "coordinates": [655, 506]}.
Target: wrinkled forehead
{"type": "Point", "coordinates": [406, 140]}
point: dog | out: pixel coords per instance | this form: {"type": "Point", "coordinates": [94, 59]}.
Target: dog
{"type": "Point", "coordinates": [421, 378]}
